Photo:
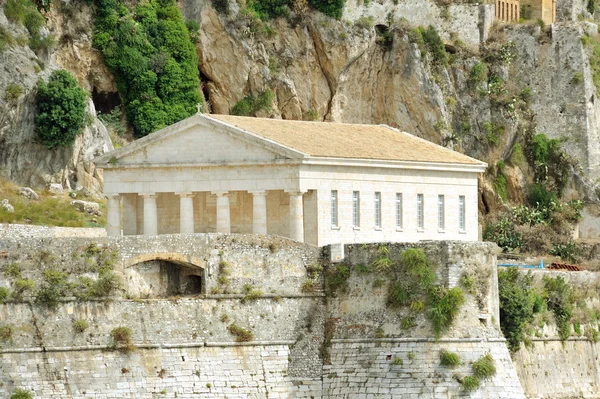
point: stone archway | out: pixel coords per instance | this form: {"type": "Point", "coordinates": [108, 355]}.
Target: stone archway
{"type": "Point", "coordinates": [162, 275]}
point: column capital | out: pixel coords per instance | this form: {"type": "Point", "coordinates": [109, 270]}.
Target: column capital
{"type": "Point", "coordinates": [220, 193]}
{"type": "Point", "coordinates": [112, 196]}
{"type": "Point", "coordinates": [148, 195]}
{"type": "Point", "coordinates": [295, 192]}
{"type": "Point", "coordinates": [185, 194]}
{"type": "Point", "coordinates": [258, 192]}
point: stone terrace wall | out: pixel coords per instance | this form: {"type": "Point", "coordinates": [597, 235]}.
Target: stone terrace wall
{"type": "Point", "coordinates": [362, 361]}
{"type": "Point", "coordinates": [12, 231]}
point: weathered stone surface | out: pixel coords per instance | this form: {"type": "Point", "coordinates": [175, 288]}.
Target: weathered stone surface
{"type": "Point", "coordinates": [5, 204]}
{"type": "Point", "coordinates": [87, 206]}
{"type": "Point", "coordinates": [55, 188]}
{"type": "Point", "coordinates": [29, 193]}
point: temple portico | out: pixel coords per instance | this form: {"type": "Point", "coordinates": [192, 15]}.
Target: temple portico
{"type": "Point", "coordinates": [258, 211]}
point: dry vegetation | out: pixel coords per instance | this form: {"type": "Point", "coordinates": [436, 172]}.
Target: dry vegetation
{"type": "Point", "coordinates": [49, 210]}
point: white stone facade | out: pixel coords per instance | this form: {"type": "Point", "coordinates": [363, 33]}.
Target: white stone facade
{"type": "Point", "coordinates": [207, 175]}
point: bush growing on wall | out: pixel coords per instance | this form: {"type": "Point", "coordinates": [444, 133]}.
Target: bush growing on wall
{"type": "Point", "coordinates": [61, 110]}
{"type": "Point", "coordinates": [331, 8]}
{"type": "Point", "coordinates": [154, 61]}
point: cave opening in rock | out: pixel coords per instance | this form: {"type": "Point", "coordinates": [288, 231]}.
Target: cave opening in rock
{"type": "Point", "coordinates": [105, 102]}
{"type": "Point", "coordinates": [204, 80]}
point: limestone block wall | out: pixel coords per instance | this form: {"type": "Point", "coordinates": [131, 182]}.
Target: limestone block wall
{"type": "Point", "coordinates": [185, 347]}
{"type": "Point", "coordinates": [550, 368]}
{"type": "Point", "coordinates": [361, 366]}
{"type": "Point", "coordinates": [365, 368]}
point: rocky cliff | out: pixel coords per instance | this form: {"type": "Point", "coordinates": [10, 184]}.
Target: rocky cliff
{"type": "Point", "coordinates": [368, 67]}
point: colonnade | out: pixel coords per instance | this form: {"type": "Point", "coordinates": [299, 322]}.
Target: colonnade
{"type": "Point", "coordinates": [223, 213]}
{"type": "Point", "coordinates": [508, 10]}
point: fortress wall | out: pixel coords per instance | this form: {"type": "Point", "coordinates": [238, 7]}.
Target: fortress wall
{"type": "Point", "coordinates": [304, 344]}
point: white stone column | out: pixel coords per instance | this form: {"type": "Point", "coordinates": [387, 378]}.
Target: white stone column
{"type": "Point", "coordinates": [296, 216]}
{"type": "Point", "coordinates": [129, 214]}
{"type": "Point", "coordinates": [259, 212]}
{"type": "Point", "coordinates": [150, 215]}
{"type": "Point", "coordinates": [186, 213]}
{"type": "Point", "coordinates": [223, 212]}
{"type": "Point", "coordinates": [113, 218]}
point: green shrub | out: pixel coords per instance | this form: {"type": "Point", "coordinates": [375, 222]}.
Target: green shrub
{"type": "Point", "coordinates": [21, 394]}
{"type": "Point", "coordinates": [484, 367]}
{"type": "Point", "coordinates": [331, 8]}
{"type": "Point", "coordinates": [241, 334]}
{"type": "Point", "coordinates": [250, 105]}
{"type": "Point", "coordinates": [539, 196]}
{"type": "Point", "coordinates": [12, 93]}
{"type": "Point", "coordinates": [193, 27]}
{"type": "Point", "coordinates": [500, 186]}
{"type": "Point", "coordinates": [21, 286]}
{"type": "Point", "coordinates": [54, 287]}
{"type": "Point", "coordinates": [4, 294]}
{"type": "Point", "coordinates": [503, 233]}
{"type": "Point", "coordinates": [470, 383]}
{"type": "Point", "coordinates": [435, 45]}
{"type": "Point", "coordinates": [517, 157]}
{"type": "Point", "coordinates": [478, 74]}
{"type": "Point", "coordinates": [566, 251]}
{"type": "Point", "coordinates": [516, 305]}
{"type": "Point", "coordinates": [397, 361]}
{"type": "Point", "coordinates": [13, 270]}
{"type": "Point", "coordinates": [122, 339]}
{"type": "Point", "coordinates": [267, 9]}
{"type": "Point", "coordinates": [6, 38]}
{"type": "Point", "coordinates": [308, 286]}
{"type": "Point", "coordinates": [80, 325]}
{"type": "Point", "coordinates": [449, 359]}
{"type": "Point", "coordinates": [444, 306]}
{"type": "Point", "coordinates": [61, 110]}
{"type": "Point", "coordinates": [560, 301]}
{"type": "Point", "coordinates": [336, 278]}
{"type": "Point", "coordinates": [153, 59]}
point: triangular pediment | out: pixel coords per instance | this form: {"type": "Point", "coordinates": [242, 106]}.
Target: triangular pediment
{"type": "Point", "coordinates": [198, 140]}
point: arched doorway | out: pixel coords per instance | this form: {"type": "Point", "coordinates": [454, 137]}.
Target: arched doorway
{"type": "Point", "coordinates": [163, 278]}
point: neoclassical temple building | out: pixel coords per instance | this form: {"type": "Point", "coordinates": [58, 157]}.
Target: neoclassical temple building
{"type": "Point", "coordinates": [315, 182]}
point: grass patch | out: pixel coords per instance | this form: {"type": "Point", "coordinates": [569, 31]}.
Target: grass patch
{"type": "Point", "coordinates": [449, 359]}
{"type": "Point", "coordinates": [397, 361]}
{"type": "Point", "coordinates": [241, 334]}
{"type": "Point", "coordinates": [444, 305]}
{"type": "Point", "coordinates": [49, 210]}
{"type": "Point", "coordinates": [250, 294]}
{"type": "Point", "coordinates": [309, 286]}
{"type": "Point", "coordinates": [121, 339]}
{"type": "Point", "coordinates": [484, 367]}
{"type": "Point", "coordinates": [21, 394]}
{"type": "Point", "coordinates": [4, 294]}
{"type": "Point", "coordinates": [470, 383]}
{"type": "Point", "coordinates": [21, 286]}
{"type": "Point", "coordinates": [80, 325]}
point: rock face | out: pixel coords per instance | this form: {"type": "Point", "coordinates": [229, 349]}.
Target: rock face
{"type": "Point", "coordinates": [22, 158]}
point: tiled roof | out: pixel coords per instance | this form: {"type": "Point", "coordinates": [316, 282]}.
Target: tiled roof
{"type": "Point", "coordinates": [342, 140]}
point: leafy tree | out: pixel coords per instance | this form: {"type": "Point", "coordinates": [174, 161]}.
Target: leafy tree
{"type": "Point", "coordinates": [153, 58]}
{"type": "Point", "coordinates": [61, 110]}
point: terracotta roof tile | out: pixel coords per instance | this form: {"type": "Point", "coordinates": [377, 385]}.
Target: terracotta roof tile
{"type": "Point", "coordinates": [341, 140]}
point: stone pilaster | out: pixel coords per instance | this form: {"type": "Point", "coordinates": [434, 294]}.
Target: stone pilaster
{"type": "Point", "coordinates": [150, 215]}
{"type": "Point", "coordinates": [259, 212]}
{"type": "Point", "coordinates": [186, 213]}
{"type": "Point", "coordinates": [113, 218]}
{"type": "Point", "coordinates": [130, 214]}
